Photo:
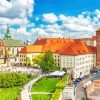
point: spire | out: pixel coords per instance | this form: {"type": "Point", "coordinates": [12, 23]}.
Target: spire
{"type": "Point", "coordinates": [8, 34]}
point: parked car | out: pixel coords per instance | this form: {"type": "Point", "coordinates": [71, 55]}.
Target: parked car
{"type": "Point", "coordinates": [77, 80]}
{"type": "Point", "coordinates": [87, 84]}
{"type": "Point", "coordinates": [84, 77]}
{"type": "Point", "coordinates": [94, 74]}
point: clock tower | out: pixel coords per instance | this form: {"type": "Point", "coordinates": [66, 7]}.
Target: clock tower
{"type": "Point", "coordinates": [98, 48]}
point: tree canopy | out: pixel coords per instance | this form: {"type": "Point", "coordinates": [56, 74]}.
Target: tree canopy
{"type": "Point", "coordinates": [28, 60]}
{"type": "Point", "coordinates": [47, 63]}
{"type": "Point", "coordinates": [37, 59]}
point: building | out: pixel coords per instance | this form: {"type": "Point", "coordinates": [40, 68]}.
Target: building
{"type": "Point", "coordinates": [79, 57]}
{"type": "Point", "coordinates": [98, 47]}
{"type": "Point", "coordinates": [11, 45]}
{"type": "Point", "coordinates": [68, 53]}
{"type": "Point", "coordinates": [29, 51]}
{"type": "Point", "coordinates": [68, 93]}
{"type": "Point", "coordinates": [90, 41]}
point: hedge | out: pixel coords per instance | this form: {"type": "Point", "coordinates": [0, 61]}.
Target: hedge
{"type": "Point", "coordinates": [62, 83]}
{"type": "Point", "coordinates": [13, 79]}
{"type": "Point", "coordinates": [56, 94]}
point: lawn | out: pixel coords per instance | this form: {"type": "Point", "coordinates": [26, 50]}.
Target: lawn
{"type": "Point", "coordinates": [44, 85]}
{"type": "Point", "coordinates": [41, 97]}
{"type": "Point", "coordinates": [9, 93]}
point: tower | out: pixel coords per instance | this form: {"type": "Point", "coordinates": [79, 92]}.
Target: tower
{"type": "Point", "coordinates": [98, 48]}
{"type": "Point", "coordinates": [8, 34]}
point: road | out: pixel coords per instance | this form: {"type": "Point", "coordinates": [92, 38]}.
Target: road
{"type": "Point", "coordinates": [80, 92]}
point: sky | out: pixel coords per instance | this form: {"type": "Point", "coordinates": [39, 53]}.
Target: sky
{"type": "Point", "coordinates": [30, 19]}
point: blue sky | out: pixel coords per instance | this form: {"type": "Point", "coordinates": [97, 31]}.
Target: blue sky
{"type": "Point", "coordinates": [29, 19]}
{"type": "Point", "coordinates": [67, 7]}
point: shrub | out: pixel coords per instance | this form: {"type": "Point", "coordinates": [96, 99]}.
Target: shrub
{"type": "Point", "coordinates": [56, 94]}
{"type": "Point", "coordinates": [62, 83]}
{"type": "Point", "coordinates": [13, 79]}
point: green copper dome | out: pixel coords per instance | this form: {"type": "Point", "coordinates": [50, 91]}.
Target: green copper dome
{"type": "Point", "coordinates": [8, 34]}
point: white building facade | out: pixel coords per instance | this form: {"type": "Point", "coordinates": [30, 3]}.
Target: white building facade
{"type": "Point", "coordinates": [80, 64]}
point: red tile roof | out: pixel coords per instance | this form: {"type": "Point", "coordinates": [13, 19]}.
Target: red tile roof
{"type": "Point", "coordinates": [98, 30]}
{"type": "Point", "coordinates": [44, 41]}
{"type": "Point", "coordinates": [31, 49]}
{"type": "Point", "coordinates": [59, 45]}
{"type": "Point", "coordinates": [77, 48]}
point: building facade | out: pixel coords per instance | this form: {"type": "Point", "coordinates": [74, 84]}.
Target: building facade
{"type": "Point", "coordinates": [10, 47]}
{"type": "Point", "coordinates": [98, 47]}
{"type": "Point", "coordinates": [72, 54]}
{"type": "Point", "coordinates": [80, 64]}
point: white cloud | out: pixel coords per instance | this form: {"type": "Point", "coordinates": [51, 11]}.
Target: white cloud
{"type": "Point", "coordinates": [37, 18]}
{"type": "Point", "coordinates": [80, 26]}
{"type": "Point", "coordinates": [16, 12]}
{"type": "Point", "coordinates": [16, 8]}
{"type": "Point", "coordinates": [22, 30]}
{"type": "Point", "coordinates": [38, 31]}
{"type": "Point", "coordinates": [50, 18]}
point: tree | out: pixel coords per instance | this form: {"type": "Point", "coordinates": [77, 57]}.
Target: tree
{"type": "Point", "coordinates": [37, 59]}
{"type": "Point", "coordinates": [28, 60]}
{"type": "Point", "coordinates": [64, 69]}
{"type": "Point", "coordinates": [47, 63]}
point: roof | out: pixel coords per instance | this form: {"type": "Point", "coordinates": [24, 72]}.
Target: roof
{"type": "Point", "coordinates": [61, 46]}
{"type": "Point", "coordinates": [31, 49]}
{"type": "Point", "coordinates": [77, 48]}
{"type": "Point", "coordinates": [98, 30]}
{"type": "Point", "coordinates": [45, 41]}
{"type": "Point", "coordinates": [13, 43]}
{"type": "Point", "coordinates": [95, 92]}
{"type": "Point", "coordinates": [57, 73]}
{"type": "Point", "coordinates": [86, 39]}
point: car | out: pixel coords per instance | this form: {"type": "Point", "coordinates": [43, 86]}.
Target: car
{"type": "Point", "coordinates": [79, 79]}
{"type": "Point", "coordinates": [84, 77]}
{"type": "Point", "coordinates": [87, 84]}
{"type": "Point", "coordinates": [76, 80]}
{"type": "Point", "coordinates": [94, 74]}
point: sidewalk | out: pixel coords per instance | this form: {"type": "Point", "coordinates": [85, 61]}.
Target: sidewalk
{"type": "Point", "coordinates": [25, 93]}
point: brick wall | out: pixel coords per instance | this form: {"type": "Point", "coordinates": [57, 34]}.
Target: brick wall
{"type": "Point", "coordinates": [98, 48]}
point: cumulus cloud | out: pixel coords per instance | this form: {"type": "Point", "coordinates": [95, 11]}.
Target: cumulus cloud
{"type": "Point", "coordinates": [50, 18]}
{"type": "Point", "coordinates": [82, 25]}
{"type": "Point", "coordinates": [16, 12]}
{"type": "Point", "coordinates": [16, 8]}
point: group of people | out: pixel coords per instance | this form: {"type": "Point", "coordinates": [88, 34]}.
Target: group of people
{"type": "Point", "coordinates": [24, 70]}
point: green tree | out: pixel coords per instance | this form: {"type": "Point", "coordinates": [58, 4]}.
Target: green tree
{"type": "Point", "coordinates": [37, 59]}
{"type": "Point", "coordinates": [28, 60]}
{"type": "Point", "coordinates": [47, 63]}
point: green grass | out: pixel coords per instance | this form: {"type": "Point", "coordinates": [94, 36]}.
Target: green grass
{"type": "Point", "coordinates": [9, 93]}
{"type": "Point", "coordinates": [41, 97]}
{"type": "Point", "coordinates": [45, 85]}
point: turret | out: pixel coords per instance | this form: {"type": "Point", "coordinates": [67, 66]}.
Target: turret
{"type": "Point", "coordinates": [8, 34]}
